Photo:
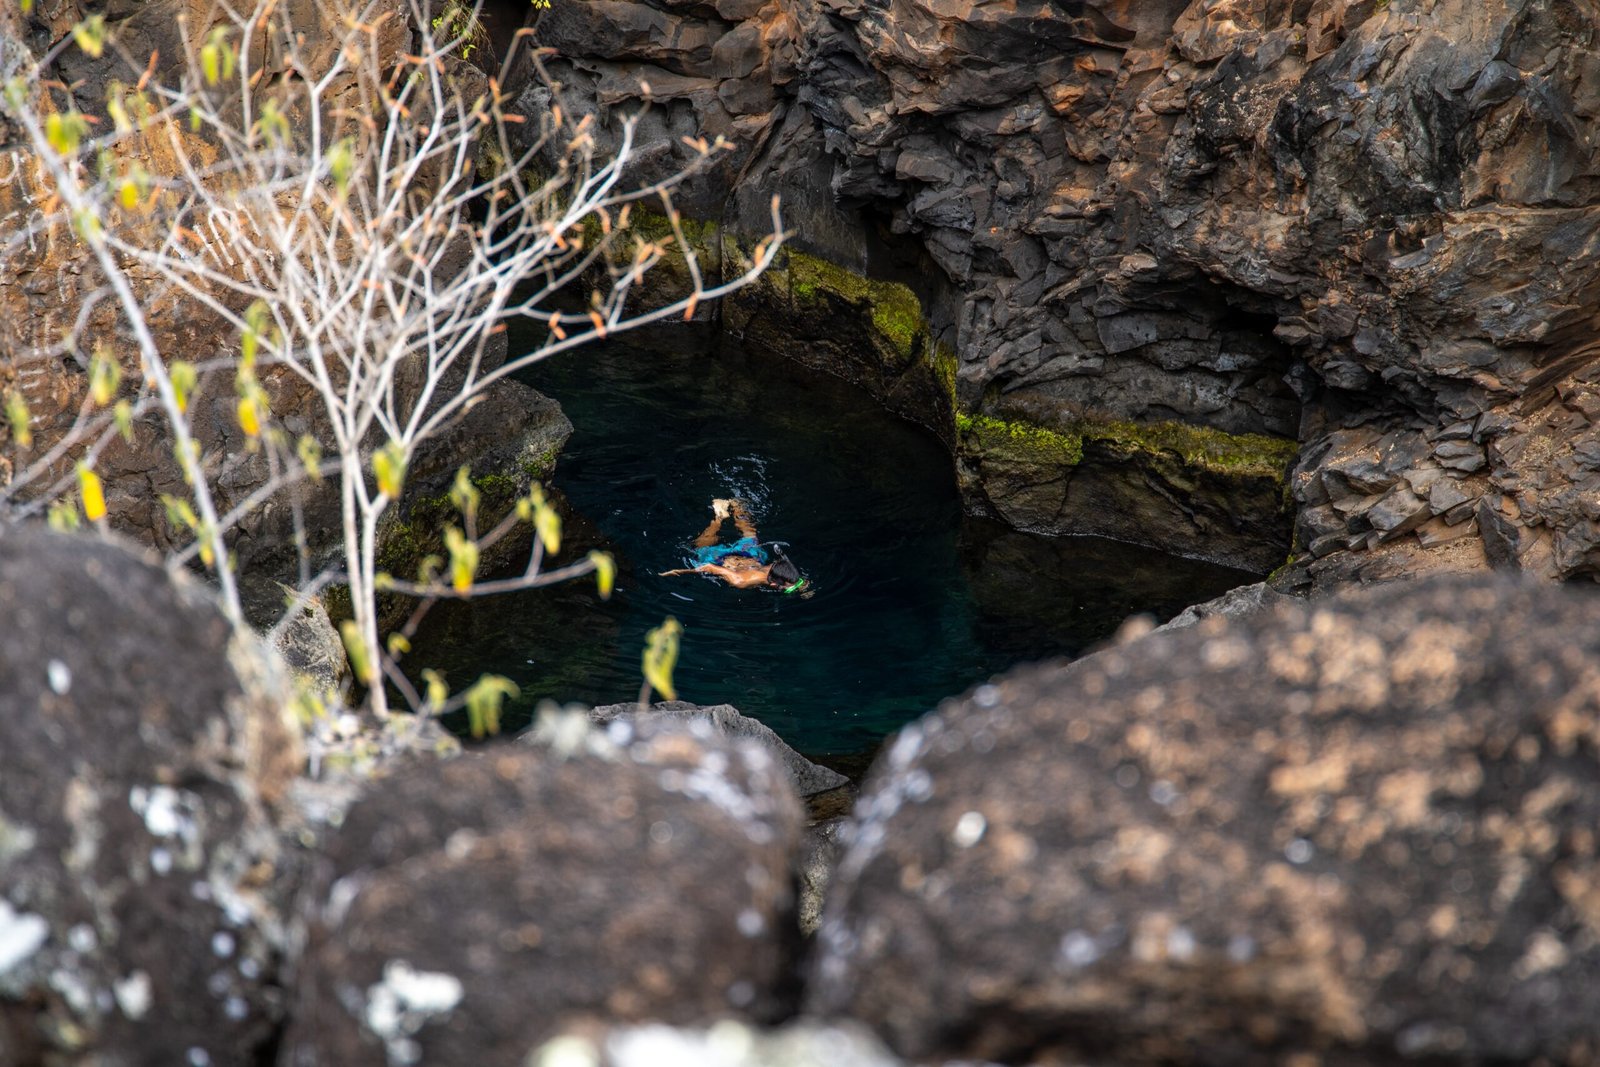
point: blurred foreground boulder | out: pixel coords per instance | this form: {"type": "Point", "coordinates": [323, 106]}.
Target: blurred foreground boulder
{"type": "Point", "coordinates": [470, 909]}
{"type": "Point", "coordinates": [1350, 832]}
{"type": "Point", "coordinates": [143, 744]}
{"type": "Point", "coordinates": [809, 778]}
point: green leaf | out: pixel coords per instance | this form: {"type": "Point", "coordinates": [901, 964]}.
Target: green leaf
{"type": "Point", "coordinates": [398, 645]}
{"type": "Point", "coordinates": [548, 525]}
{"type": "Point", "coordinates": [605, 572]}
{"type": "Point", "coordinates": [484, 701]}
{"type": "Point", "coordinates": [65, 130]}
{"type": "Point", "coordinates": [184, 377]}
{"type": "Point", "coordinates": [63, 516]}
{"type": "Point", "coordinates": [21, 421]}
{"type": "Point", "coordinates": [122, 416]}
{"type": "Point", "coordinates": [210, 63]}
{"type": "Point", "coordinates": [661, 656]}
{"type": "Point", "coordinates": [27, 6]}
{"type": "Point", "coordinates": [90, 35]}
{"type": "Point", "coordinates": [357, 651]}
{"type": "Point", "coordinates": [437, 691]}
{"type": "Point", "coordinates": [389, 467]}
{"type": "Point", "coordinates": [463, 559]}
{"type": "Point", "coordinates": [341, 162]}
{"type": "Point", "coordinates": [464, 495]}
{"type": "Point", "coordinates": [310, 454]}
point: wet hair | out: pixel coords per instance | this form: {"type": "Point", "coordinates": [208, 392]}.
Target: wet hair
{"type": "Point", "coordinates": [782, 573]}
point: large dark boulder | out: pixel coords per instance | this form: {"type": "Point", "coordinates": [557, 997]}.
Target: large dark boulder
{"type": "Point", "coordinates": [143, 746]}
{"type": "Point", "coordinates": [471, 908]}
{"type": "Point", "coordinates": [1361, 831]}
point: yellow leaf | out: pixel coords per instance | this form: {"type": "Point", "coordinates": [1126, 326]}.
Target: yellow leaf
{"type": "Point", "coordinates": [90, 34]}
{"type": "Point", "coordinates": [210, 63]}
{"type": "Point", "coordinates": [104, 376]}
{"type": "Point", "coordinates": [438, 692]}
{"type": "Point", "coordinates": [463, 559]}
{"type": "Point", "coordinates": [548, 525]}
{"type": "Point", "coordinates": [183, 376]}
{"type": "Point", "coordinates": [360, 665]}
{"type": "Point", "coordinates": [605, 572]}
{"type": "Point", "coordinates": [389, 467]}
{"type": "Point", "coordinates": [92, 493]}
{"type": "Point", "coordinates": [661, 656]}
{"type": "Point", "coordinates": [464, 495]}
{"type": "Point", "coordinates": [249, 416]}
{"type": "Point", "coordinates": [21, 421]}
{"type": "Point", "coordinates": [398, 645]}
{"type": "Point", "coordinates": [484, 701]}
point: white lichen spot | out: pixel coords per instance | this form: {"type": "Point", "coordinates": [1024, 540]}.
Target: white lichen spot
{"type": "Point", "coordinates": [133, 994]}
{"type": "Point", "coordinates": [969, 829]}
{"type": "Point", "coordinates": [235, 1008]}
{"type": "Point", "coordinates": [82, 939]}
{"type": "Point", "coordinates": [1181, 944]}
{"type": "Point", "coordinates": [1298, 851]}
{"type": "Point", "coordinates": [750, 922]}
{"type": "Point", "coordinates": [1241, 948]}
{"type": "Point", "coordinates": [160, 860]}
{"type": "Point", "coordinates": [222, 944]}
{"type": "Point", "coordinates": [198, 1057]}
{"type": "Point", "coordinates": [21, 935]}
{"type": "Point", "coordinates": [161, 807]}
{"type": "Point", "coordinates": [404, 1001]}
{"type": "Point", "coordinates": [59, 676]}
{"type": "Point", "coordinates": [1078, 950]}
{"type": "Point", "coordinates": [566, 1052]}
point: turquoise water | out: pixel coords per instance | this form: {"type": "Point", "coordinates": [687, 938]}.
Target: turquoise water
{"type": "Point", "coordinates": [912, 602]}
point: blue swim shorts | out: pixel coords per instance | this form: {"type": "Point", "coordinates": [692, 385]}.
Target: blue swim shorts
{"type": "Point", "coordinates": [745, 546]}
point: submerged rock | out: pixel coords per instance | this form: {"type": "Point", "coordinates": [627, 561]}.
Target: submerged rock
{"type": "Point", "coordinates": [1358, 831]}
{"type": "Point", "coordinates": [470, 909]}
{"type": "Point", "coordinates": [809, 778]}
{"type": "Point", "coordinates": [144, 744]}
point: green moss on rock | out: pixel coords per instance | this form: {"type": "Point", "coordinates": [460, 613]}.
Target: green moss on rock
{"type": "Point", "coordinates": [1199, 447]}
{"type": "Point", "coordinates": [895, 310]}
{"type": "Point", "coordinates": [1020, 440]}
{"type": "Point", "coordinates": [1244, 454]}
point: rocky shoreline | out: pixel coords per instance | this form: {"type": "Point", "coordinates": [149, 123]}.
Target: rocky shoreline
{"type": "Point", "coordinates": [1355, 831]}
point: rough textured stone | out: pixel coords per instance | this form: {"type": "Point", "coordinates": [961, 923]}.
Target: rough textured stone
{"type": "Point", "coordinates": [637, 874]}
{"type": "Point", "coordinates": [818, 857]}
{"type": "Point", "coordinates": [144, 747]}
{"type": "Point", "coordinates": [1359, 831]}
{"type": "Point", "coordinates": [1359, 225]}
{"type": "Point", "coordinates": [808, 778]}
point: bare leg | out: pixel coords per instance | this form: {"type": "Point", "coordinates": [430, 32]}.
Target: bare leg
{"type": "Point", "coordinates": [741, 519]}
{"type": "Point", "coordinates": [708, 536]}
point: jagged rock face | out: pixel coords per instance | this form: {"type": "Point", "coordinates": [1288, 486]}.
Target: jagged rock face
{"type": "Point", "coordinates": [1359, 831]}
{"type": "Point", "coordinates": [144, 749]}
{"type": "Point", "coordinates": [469, 909]}
{"type": "Point", "coordinates": [1368, 226]}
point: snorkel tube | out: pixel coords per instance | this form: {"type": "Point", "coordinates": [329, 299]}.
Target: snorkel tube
{"type": "Point", "coordinates": [797, 586]}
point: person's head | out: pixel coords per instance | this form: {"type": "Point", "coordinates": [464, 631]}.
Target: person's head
{"type": "Point", "coordinates": [783, 575]}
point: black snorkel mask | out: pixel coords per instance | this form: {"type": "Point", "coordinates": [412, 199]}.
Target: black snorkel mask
{"type": "Point", "coordinates": [799, 583]}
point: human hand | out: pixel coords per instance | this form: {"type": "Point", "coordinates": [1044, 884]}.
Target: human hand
{"type": "Point", "coordinates": [719, 508]}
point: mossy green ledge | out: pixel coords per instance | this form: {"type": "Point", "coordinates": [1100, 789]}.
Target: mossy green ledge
{"type": "Point", "coordinates": [1181, 487]}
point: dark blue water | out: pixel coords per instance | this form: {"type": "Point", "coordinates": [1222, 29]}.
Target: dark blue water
{"type": "Point", "coordinates": [911, 602]}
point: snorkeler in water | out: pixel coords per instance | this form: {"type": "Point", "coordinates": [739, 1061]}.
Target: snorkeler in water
{"type": "Point", "coordinates": [745, 563]}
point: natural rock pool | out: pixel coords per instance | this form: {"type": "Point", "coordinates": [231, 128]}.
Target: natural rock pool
{"type": "Point", "coordinates": [912, 602]}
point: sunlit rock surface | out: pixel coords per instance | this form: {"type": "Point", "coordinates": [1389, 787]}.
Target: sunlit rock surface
{"type": "Point", "coordinates": [1358, 830]}
{"type": "Point", "coordinates": [144, 749]}
{"type": "Point", "coordinates": [470, 908]}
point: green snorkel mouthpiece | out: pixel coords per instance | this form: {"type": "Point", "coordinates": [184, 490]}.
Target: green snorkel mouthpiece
{"type": "Point", "coordinates": [796, 587]}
